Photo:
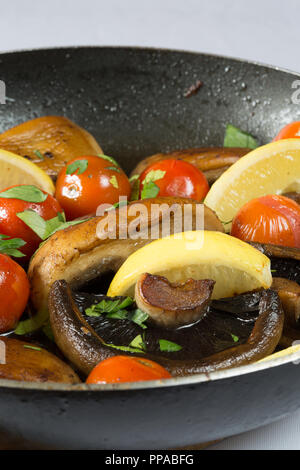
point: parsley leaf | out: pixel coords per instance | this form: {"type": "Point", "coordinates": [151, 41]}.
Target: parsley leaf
{"type": "Point", "coordinates": [235, 338]}
{"type": "Point", "coordinates": [110, 159]}
{"type": "Point", "coordinates": [169, 346]}
{"type": "Point", "coordinates": [113, 168]}
{"type": "Point", "coordinates": [235, 137]}
{"type": "Point", "coordinates": [29, 346]}
{"type": "Point", "coordinates": [153, 176]}
{"type": "Point", "coordinates": [114, 182]}
{"type": "Point", "coordinates": [135, 190]}
{"type": "Point", "coordinates": [80, 165]}
{"type": "Point", "coordinates": [25, 192]}
{"type": "Point", "coordinates": [138, 342]}
{"type": "Point", "coordinates": [43, 228]}
{"type": "Point", "coordinates": [149, 190]}
{"type": "Point", "coordinates": [32, 324]}
{"type": "Point", "coordinates": [110, 307]}
{"type": "Point", "coordinates": [139, 317]}
{"type": "Point", "coordinates": [9, 246]}
{"type": "Point", "coordinates": [38, 154]}
{"type": "Point", "coordinates": [124, 348]}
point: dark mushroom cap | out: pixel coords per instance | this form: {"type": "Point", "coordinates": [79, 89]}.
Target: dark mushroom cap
{"type": "Point", "coordinates": [207, 346]}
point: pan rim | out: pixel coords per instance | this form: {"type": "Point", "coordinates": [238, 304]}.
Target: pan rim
{"type": "Point", "coordinates": [177, 381]}
{"type": "Point", "coordinates": [150, 49]}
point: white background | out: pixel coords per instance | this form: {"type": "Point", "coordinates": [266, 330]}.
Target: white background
{"type": "Point", "coordinates": [261, 30]}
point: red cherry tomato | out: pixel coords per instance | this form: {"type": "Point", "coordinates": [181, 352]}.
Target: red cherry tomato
{"type": "Point", "coordinates": [14, 227]}
{"type": "Point", "coordinates": [290, 131]}
{"type": "Point", "coordinates": [126, 369]}
{"type": "Point", "coordinates": [269, 219]}
{"type": "Point", "coordinates": [14, 293]}
{"type": "Point", "coordinates": [181, 179]}
{"type": "Point", "coordinates": [100, 182]}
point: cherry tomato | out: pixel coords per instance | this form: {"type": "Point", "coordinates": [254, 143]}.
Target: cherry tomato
{"type": "Point", "coordinates": [126, 369]}
{"type": "Point", "coordinates": [14, 227]}
{"type": "Point", "coordinates": [181, 179]}
{"type": "Point", "coordinates": [290, 131]}
{"type": "Point", "coordinates": [14, 293]}
{"type": "Point", "coordinates": [269, 219]}
{"type": "Point", "coordinates": [99, 181]}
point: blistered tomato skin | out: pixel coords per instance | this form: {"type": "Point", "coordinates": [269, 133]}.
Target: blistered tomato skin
{"type": "Point", "coordinates": [269, 219]}
{"type": "Point", "coordinates": [102, 182]}
{"type": "Point", "coordinates": [14, 293]}
{"type": "Point", "coordinates": [120, 369]}
{"type": "Point", "coordinates": [291, 131]}
{"type": "Point", "coordinates": [181, 179]}
{"type": "Point", "coordinates": [12, 226]}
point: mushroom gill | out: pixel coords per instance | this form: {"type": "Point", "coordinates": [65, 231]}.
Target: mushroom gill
{"type": "Point", "coordinates": [173, 305]}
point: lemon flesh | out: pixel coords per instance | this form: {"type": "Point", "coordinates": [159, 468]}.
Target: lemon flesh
{"type": "Point", "coordinates": [235, 266]}
{"type": "Point", "coordinates": [15, 170]}
{"type": "Point", "coordinates": [271, 169]}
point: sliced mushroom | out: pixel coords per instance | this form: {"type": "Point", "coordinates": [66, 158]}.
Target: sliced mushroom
{"type": "Point", "coordinates": [207, 345]}
{"type": "Point", "coordinates": [27, 362]}
{"type": "Point", "coordinates": [78, 255]}
{"type": "Point", "coordinates": [55, 138]}
{"type": "Point", "coordinates": [173, 305]}
{"type": "Point", "coordinates": [289, 293]}
{"type": "Point", "coordinates": [295, 196]}
{"type": "Point", "coordinates": [212, 161]}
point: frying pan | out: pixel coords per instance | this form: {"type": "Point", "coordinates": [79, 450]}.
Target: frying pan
{"type": "Point", "coordinates": [133, 101]}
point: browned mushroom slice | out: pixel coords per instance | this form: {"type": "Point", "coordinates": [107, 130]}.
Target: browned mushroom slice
{"type": "Point", "coordinates": [289, 293]}
{"type": "Point", "coordinates": [219, 341]}
{"type": "Point", "coordinates": [78, 255]}
{"type": "Point", "coordinates": [212, 161]}
{"type": "Point", "coordinates": [294, 196]}
{"type": "Point", "coordinates": [50, 142]}
{"type": "Point", "coordinates": [173, 305]}
{"type": "Point", "coordinates": [29, 363]}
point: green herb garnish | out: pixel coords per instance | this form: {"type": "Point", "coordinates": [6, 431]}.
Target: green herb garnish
{"type": "Point", "coordinates": [111, 307]}
{"type": "Point", "coordinates": [138, 342]}
{"type": "Point", "coordinates": [38, 154]}
{"type": "Point", "coordinates": [235, 137]}
{"type": "Point", "coordinates": [168, 346]}
{"type": "Point", "coordinates": [80, 165]}
{"type": "Point", "coordinates": [133, 178]}
{"type": "Point", "coordinates": [124, 348]}
{"type": "Point", "coordinates": [43, 228]}
{"type": "Point", "coordinates": [110, 159]}
{"type": "Point", "coordinates": [114, 182]}
{"type": "Point", "coordinates": [114, 168]}
{"type": "Point", "coordinates": [117, 205]}
{"type": "Point", "coordinates": [135, 190]}
{"type": "Point", "coordinates": [25, 192]}
{"type": "Point", "coordinates": [9, 246]}
{"type": "Point", "coordinates": [35, 348]}
{"type": "Point", "coordinates": [139, 317]}
{"type": "Point", "coordinates": [235, 338]}
{"type": "Point", "coordinates": [150, 189]}
{"type": "Point", "coordinates": [32, 324]}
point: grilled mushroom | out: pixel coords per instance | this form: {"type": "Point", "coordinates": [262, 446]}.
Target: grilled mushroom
{"type": "Point", "coordinates": [50, 142]}
{"type": "Point", "coordinates": [29, 363]}
{"type": "Point", "coordinates": [289, 293]}
{"type": "Point", "coordinates": [212, 161]}
{"type": "Point", "coordinates": [78, 255]}
{"type": "Point", "coordinates": [173, 305]}
{"type": "Point", "coordinates": [219, 341]}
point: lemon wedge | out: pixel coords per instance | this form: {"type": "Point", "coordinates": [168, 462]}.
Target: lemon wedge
{"type": "Point", "coordinates": [284, 353]}
{"type": "Point", "coordinates": [271, 169]}
{"type": "Point", "coordinates": [16, 170]}
{"type": "Point", "coordinates": [235, 266]}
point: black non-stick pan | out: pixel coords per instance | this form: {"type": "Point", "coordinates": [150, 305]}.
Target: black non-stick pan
{"type": "Point", "coordinates": [134, 102]}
